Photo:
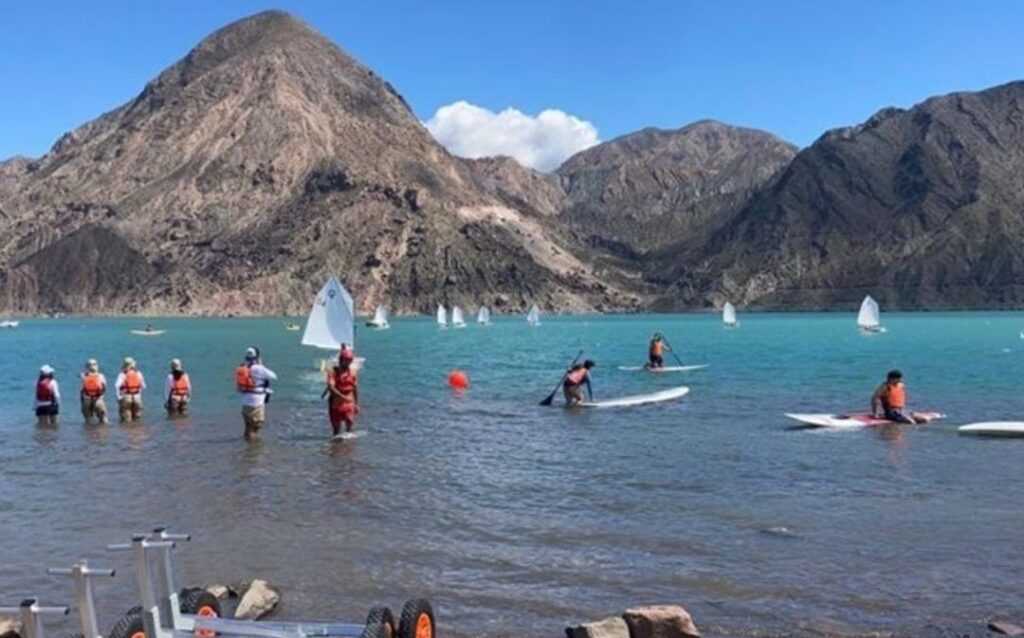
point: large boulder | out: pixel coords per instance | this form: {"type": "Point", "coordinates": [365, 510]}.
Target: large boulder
{"type": "Point", "coordinates": [9, 627]}
{"type": "Point", "coordinates": [607, 628]}
{"type": "Point", "coordinates": [258, 601]}
{"type": "Point", "coordinates": [660, 621]}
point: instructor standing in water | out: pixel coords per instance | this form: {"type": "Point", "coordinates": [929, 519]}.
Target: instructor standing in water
{"type": "Point", "coordinates": [343, 393]}
{"type": "Point", "coordinates": [253, 379]}
{"type": "Point", "coordinates": [129, 385]}
{"type": "Point", "coordinates": [47, 397]}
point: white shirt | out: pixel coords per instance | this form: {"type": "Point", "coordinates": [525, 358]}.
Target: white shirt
{"type": "Point", "coordinates": [169, 383]}
{"type": "Point", "coordinates": [56, 395]}
{"type": "Point", "coordinates": [262, 376]}
{"type": "Point", "coordinates": [119, 384]}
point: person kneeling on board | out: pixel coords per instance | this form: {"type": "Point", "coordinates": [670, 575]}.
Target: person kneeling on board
{"type": "Point", "coordinates": [891, 397]}
{"type": "Point", "coordinates": [572, 387]}
{"type": "Point", "coordinates": [178, 389]}
{"type": "Point", "coordinates": [343, 393]}
{"type": "Point", "coordinates": [47, 397]}
{"type": "Point", "coordinates": [94, 385]}
{"type": "Point", "coordinates": [655, 358]}
{"type": "Point", "coordinates": [253, 379]}
{"type": "Point", "coordinates": [129, 385]}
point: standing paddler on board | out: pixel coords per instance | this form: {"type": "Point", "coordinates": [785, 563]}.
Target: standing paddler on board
{"type": "Point", "coordinates": [655, 352]}
{"type": "Point", "coordinates": [343, 393]}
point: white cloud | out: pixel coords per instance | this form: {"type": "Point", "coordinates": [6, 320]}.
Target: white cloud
{"type": "Point", "coordinates": [542, 142]}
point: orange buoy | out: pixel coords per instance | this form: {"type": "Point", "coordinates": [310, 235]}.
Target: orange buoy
{"type": "Point", "coordinates": [458, 380]}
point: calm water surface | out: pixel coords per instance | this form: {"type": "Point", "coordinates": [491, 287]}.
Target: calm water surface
{"type": "Point", "coordinates": [515, 519]}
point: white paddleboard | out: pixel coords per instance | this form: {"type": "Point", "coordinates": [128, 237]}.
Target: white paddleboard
{"type": "Point", "coordinates": [640, 399]}
{"type": "Point", "coordinates": [994, 428]}
{"type": "Point", "coordinates": [854, 420]}
{"type": "Point", "coordinates": [148, 333]}
{"type": "Point", "coordinates": [662, 369]}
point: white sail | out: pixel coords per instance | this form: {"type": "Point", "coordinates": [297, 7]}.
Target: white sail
{"type": "Point", "coordinates": [729, 314]}
{"type": "Point", "coordinates": [458, 320]}
{"type": "Point", "coordinates": [332, 319]}
{"type": "Point", "coordinates": [380, 318]}
{"type": "Point", "coordinates": [484, 316]}
{"type": "Point", "coordinates": [869, 317]}
{"type": "Point", "coordinates": [533, 317]}
{"type": "Point", "coordinates": [442, 316]}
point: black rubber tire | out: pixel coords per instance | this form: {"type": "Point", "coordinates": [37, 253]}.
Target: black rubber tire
{"type": "Point", "coordinates": [383, 615]}
{"type": "Point", "coordinates": [192, 600]}
{"type": "Point", "coordinates": [376, 630]}
{"type": "Point", "coordinates": [412, 610]}
{"type": "Point", "coordinates": [128, 626]}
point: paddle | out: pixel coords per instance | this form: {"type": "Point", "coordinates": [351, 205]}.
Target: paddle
{"type": "Point", "coordinates": [551, 397]}
{"type": "Point", "coordinates": [673, 351]}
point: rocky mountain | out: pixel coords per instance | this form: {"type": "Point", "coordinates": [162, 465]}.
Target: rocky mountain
{"type": "Point", "coordinates": [654, 188]}
{"type": "Point", "coordinates": [921, 207]}
{"type": "Point", "coordinates": [244, 174]}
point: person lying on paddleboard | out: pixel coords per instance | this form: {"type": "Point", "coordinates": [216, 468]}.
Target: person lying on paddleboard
{"type": "Point", "coordinates": [578, 376]}
{"type": "Point", "coordinates": [343, 397]}
{"type": "Point", "coordinates": [891, 397]}
{"type": "Point", "coordinates": [656, 351]}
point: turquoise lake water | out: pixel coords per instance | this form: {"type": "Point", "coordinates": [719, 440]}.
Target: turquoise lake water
{"type": "Point", "coordinates": [516, 519]}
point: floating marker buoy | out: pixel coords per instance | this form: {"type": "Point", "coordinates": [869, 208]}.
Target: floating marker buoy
{"type": "Point", "coordinates": [458, 380]}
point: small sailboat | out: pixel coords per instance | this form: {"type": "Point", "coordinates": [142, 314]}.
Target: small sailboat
{"type": "Point", "coordinates": [458, 320]}
{"type": "Point", "coordinates": [380, 319]}
{"type": "Point", "coordinates": [869, 317]}
{"type": "Point", "coordinates": [483, 317]}
{"type": "Point", "coordinates": [331, 321]}
{"type": "Point", "coordinates": [8, 324]}
{"type": "Point", "coordinates": [533, 317]}
{"type": "Point", "coordinates": [442, 316]}
{"type": "Point", "coordinates": [729, 315]}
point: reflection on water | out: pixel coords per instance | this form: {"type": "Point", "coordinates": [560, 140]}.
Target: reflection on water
{"type": "Point", "coordinates": [508, 514]}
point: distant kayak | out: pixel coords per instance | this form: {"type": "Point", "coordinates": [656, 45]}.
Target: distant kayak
{"type": "Point", "coordinates": [148, 333]}
{"type": "Point", "coordinates": [862, 420]}
{"type": "Point", "coordinates": [293, 327]}
{"type": "Point", "coordinates": [639, 399]}
{"type": "Point", "coordinates": [994, 429]}
{"type": "Point", "coordinates": [663, 368]}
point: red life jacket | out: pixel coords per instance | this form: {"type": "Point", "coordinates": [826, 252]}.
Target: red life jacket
{"type": "Point", "coordinates": [245, 382]}
{"type": "Point", "coordinates": [657, 347]}
{"type": "Point", "coordinates": [896, 397]}
{"type": "Point", "coordinates": [345, 383]}
{"type": "Point", "coordinates": [44, 391]}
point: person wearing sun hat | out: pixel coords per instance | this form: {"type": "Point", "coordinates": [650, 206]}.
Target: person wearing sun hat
{"type": "Point", "coordinates": [47, 397]}
{"type": "Point", "coordinates": [178, 390]}
{"type": "Point", "coordinates": [129, 385]}
{"type": "Point", "coordinates": [252, 380]}
{"type": "Point", "coordinates": [94, 385]}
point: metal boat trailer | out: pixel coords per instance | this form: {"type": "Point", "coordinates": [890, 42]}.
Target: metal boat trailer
{"type": "Point", "coordinates": [192, 613]}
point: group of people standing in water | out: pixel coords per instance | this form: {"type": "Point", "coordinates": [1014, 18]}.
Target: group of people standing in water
{"type": "Point", "coordinates": [252, 383]}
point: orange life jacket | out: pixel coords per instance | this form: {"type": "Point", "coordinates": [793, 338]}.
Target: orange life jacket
{"type": "Point", "coordinates": [896, 396]}
{"type": "Point", "coordinates": [577, 376]}
{"type": "Point", "coordinates": [92, 386]}
{"type": "Point", "coordinates": [180, 387]}
{"type": "Point", "coordinates": [657, 347]}
{"type": "Point", "coordinates": [44, 391]}
{"type": "Point", "coordinates": [245, 382]}
{"type": "Point", "coordinates": [132, 382]}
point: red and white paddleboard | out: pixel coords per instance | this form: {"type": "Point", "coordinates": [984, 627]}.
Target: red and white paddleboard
{"type": "Point", "coordinates": [857, 420]}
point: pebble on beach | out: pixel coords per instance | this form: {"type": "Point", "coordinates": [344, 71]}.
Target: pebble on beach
{"type": "Point", "coordinates": [607, 628]}
{"type": "Point", "coordinates": [660, 621]}
{"type": "Point", "coordinates": [258, 601]}
{"type": "Point", "coordinates": [221, 592]}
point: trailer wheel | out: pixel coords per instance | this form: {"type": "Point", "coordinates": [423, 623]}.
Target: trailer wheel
{"type": "Point", "coordinates": [129, 626]}
{"type": "Point", "coordinates": [375, 630]}
{"type": "Point", "coordinates": [417, 619]}
{"type": "Point", "coordinates": [382, 615]}
{"type": "Point", "coordinates": [200, 602]}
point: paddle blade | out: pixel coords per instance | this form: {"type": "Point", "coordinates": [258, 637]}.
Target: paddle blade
{"type": "Point", "coordinates": [549, 400]}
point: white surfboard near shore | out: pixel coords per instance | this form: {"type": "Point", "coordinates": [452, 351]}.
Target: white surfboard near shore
{"type": "Point", "coordinates": [639, 399]}
{"type": "Point", "coordinates": [994, 429]}
{"type": "Point", "coordinates": [662, 369]}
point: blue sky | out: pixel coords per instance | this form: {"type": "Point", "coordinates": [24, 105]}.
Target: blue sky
{"type": "Point", "coordinates": [795, 68]}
